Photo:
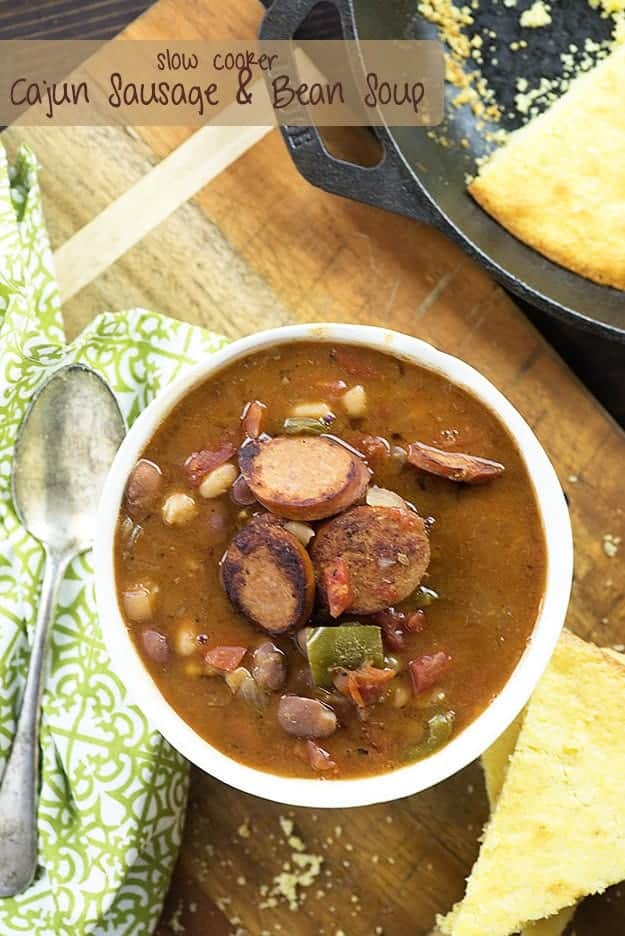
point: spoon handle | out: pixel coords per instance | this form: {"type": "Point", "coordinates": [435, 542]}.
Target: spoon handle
{"type": "Point", "coordinates": [20, 782]}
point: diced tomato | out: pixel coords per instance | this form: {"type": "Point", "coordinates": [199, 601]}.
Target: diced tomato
{"type": "Point", "coordinates": [414, 621]}
{"type": "Point", "coordinates": [338, 588]}
{"type": "Point", "coordinates": [352, 363]}
{"type": "Point", "coordinates": [426, 670]}
{"type": "Point", "coordinates": [199, 464]}
{"type": "Point", "coordinates": [363, 686]}
{"type": "Point", "coordinates": [225, 658]}
{"type": "Point", "coordinates": [371, 446]}
{"type": "Point", "coordinates": [334, 388]}
{"type": "Point", "coordinates": [252, 418]}
{"type": "Point", "coordinates": [319, 758]}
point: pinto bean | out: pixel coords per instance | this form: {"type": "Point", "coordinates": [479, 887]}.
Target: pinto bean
{"type": "Point", "coordinates": [241, 494]}
{"type": "Point", "coordinates": [306, 718]}
{"type": "Point", "coordinates": [143, 489]}
{"type": "Point", "coordinates": [155, 645]}
{"type": "Point", "coordinates": [269, 666]}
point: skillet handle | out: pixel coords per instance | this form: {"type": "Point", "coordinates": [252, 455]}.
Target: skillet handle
{"type": "Point", "coordinates": [390, 184]}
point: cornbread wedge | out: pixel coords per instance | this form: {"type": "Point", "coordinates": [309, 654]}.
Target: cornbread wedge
{"type": "Point", "coordinates": [557, 832]}
{"type": "Point", "coordinates": [495, 762]}
{"type": "Point", "coordinates": [496, 758]}
{"type": "Point", "coordinates": [558, 184]}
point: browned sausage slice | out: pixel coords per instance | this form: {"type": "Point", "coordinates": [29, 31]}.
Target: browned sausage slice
{"type": "Point", "coordinates": [386, 551]}
{"type": "Point", "coordinates": [304, 477]}
{"type": "Point", "coordinates": [455, 466]}
{"type": "Point", "coordinates": [268, 576]}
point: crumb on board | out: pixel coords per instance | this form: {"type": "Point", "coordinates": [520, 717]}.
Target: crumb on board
{"type": "Point", "coordinates": [298, 873]}
{"type": "Point", "coordinates": [536, 16]}
{"type": "Point", "coordinates": [611, 544]}
{"type": "Point", "coordinates": [175, 920]}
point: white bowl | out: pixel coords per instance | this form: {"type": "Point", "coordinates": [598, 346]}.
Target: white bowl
{"type": "Point", "coordinates": [477, 736]}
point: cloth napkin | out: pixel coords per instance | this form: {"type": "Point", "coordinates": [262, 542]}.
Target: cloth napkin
{"type": "Point", "coordinates": [113, 792]}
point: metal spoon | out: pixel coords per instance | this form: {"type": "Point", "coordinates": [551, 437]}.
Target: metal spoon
{"type": "Point", "coordinates": [66, 443]}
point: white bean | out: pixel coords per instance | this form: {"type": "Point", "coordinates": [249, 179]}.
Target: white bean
{"type": "Point", "coordinates": [218, 481]}
{"type": "Point", "coordinates": [184, 639]}
{"type": "Point", "coordinates": [178, 509]}
{"type": "Point", "coordinates": [354, 401]}
{"type": "Point", "coordinates": [401, 696]}
{"type": "Point", "coordinates": [140, 601]}
{"type": "Point", "coordinates": [313, 410]}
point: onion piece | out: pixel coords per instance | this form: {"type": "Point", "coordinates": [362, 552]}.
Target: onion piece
{"type": "Point", "coordinates": [383, 497]}
{"type": "Point", "coordinates": [301, 531]}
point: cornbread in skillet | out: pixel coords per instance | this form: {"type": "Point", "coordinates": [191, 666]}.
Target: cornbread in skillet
{"type": "Point", "coordinates": [558, 184]}
{"type": "Point", "coordinates": [557, 832]}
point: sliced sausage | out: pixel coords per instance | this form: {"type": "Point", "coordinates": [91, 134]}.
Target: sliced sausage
{"type": "Point", "coordinates": [306, 718]}
{"type": "Point", "coordinates": [268, 576]}
{"type": "Point", "coordinates": [304, 477]}
{"type": "Point", "coordinates": [385, 550]}
{"type": "Point", "coordinates": [143, 489]}
{"type": "Point", "coordinates": [455, 466]}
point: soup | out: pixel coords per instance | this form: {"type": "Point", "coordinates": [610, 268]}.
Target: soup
{"type": "Point", "coordinates": [329, 560]}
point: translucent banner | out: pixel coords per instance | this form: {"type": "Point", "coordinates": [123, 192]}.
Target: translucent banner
{"type": "Point", "coordinates": [235, 83]}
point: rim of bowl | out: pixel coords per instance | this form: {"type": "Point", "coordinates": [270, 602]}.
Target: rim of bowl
{"type": "Point", "coordinates": [472, 740]}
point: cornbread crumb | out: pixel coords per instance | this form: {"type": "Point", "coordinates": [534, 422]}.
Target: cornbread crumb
{"type": "Point", "coordinates": [611, 544]}
{"type": "Point", "coordinates": [300, 872]}
{"type": "Point", "coordinates": [244, 830]}
{"type": "Point", "coordinates": [536, 16]}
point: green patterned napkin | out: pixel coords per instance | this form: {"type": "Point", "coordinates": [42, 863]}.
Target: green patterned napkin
{"type": "Point", "coordinates": [113, 792]}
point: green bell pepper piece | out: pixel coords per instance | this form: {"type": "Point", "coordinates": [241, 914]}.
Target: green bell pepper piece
{"type": "Point", "coordinates": [305, 425]}
{"type": "Point", "coordinates": [439, 729]}
{"type": "Point", "coordinates": [344, 647]}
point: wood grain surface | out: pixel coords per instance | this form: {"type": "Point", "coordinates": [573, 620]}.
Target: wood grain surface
{"type": "Point", "coordinates": [257, 247]}
{"type": "Point", "coordinates": [67, 19]}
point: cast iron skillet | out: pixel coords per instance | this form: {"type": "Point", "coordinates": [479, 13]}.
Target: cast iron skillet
{"type": "Point", "coordinates": [420, 178]}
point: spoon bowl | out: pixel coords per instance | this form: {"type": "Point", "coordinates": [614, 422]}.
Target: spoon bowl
{"type": "Point", "coordinates": [67, 442]}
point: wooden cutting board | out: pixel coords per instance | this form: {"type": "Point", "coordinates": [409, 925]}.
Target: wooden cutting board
{"type": "Point", "coordinates": [258, 247]}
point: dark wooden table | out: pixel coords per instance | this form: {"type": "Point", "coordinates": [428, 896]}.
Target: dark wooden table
{"type": "Point", "coordinates": [597, 360]}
